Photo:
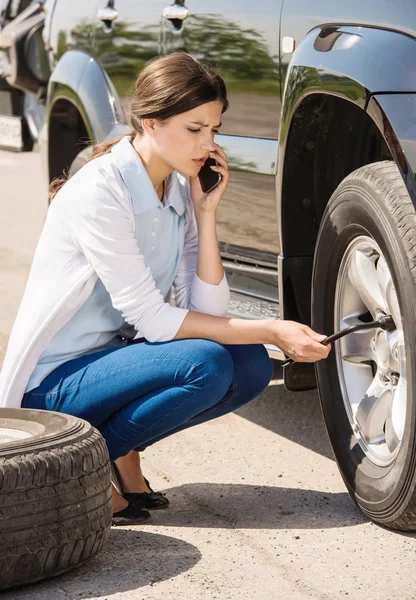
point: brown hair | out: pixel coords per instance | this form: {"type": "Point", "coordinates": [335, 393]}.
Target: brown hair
{"type": "Point", "coordinates": [167, 86]}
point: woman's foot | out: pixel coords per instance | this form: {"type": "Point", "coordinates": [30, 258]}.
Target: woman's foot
{"type": "Point", "coordinates": [125, 513]}
{"type": "Point", "coordinates": [118, 502]}
{"type": "Point", "coordinates": [134, 487]}
{"type": "Point", "coordinates": [130, 474]}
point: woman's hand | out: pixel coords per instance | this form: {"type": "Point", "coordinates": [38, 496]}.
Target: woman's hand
{"type": "Point", "coordinates": [210, 202]}
{"type": "Point", "coordinates": [299, 341]}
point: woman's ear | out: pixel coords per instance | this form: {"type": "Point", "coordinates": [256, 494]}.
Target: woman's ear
{"type": "Point", "coordinates": [149, 126]}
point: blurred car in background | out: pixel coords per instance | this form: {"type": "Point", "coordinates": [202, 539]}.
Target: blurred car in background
{"type": "Point", "coordinates": [19, 120]}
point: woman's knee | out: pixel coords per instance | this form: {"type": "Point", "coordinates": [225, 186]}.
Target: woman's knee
{"type": "Point", "coordinates": [253, 369]}
{"type": "Point", "coordinates": [213, 365]}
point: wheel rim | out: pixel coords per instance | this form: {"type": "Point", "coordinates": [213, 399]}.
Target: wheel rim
{"type": "Point", "coordinates": [371, 364]}
{"type": "Point", "coordinates": [7, 435]}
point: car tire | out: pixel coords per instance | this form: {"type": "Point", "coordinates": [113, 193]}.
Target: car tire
{"type": "Point", "coordinates": [55, 494]}
{"type": "Point", "coordinates": [365, 258]}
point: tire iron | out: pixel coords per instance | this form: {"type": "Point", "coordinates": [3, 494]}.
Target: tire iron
{"type": "Point", "coordinates": [386, 323]}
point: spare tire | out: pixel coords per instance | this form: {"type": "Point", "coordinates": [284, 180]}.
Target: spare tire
{"type": "Point", "coordinates": [55, 494]}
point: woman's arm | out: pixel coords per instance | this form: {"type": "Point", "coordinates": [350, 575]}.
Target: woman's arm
{"type": "Point", "coordinates": [296, 340]}
{"type": "Point", "coordinates": [200, 283]}
{"type": "Point", "coordinates": [197, 287]}
{"type": "Point", "coordinates": [102, 227]}
{"type": "Point", "coordinates": [209, 265]}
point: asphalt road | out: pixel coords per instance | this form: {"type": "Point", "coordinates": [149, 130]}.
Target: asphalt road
{"type": "Point", "coordinates": [258, 508]}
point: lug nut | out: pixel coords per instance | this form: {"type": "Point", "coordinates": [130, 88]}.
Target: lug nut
{"type": "Point", "coordinates": [394, 378]}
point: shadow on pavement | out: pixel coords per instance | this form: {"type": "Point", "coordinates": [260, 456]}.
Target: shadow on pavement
{"type": "Point", "coordinates": [293, 415]}
{"type": "Point", "coordinates": [215, 505]}
{"type": "Point", "coordinates": [131, 560]}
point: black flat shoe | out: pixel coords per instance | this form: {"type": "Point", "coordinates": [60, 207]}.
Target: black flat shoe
{"type": "Point", "coordinates": [151, 500]}
{"type": "Point", "coordinates": [131, 515]}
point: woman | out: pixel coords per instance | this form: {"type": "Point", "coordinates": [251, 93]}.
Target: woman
{"type": "Point", "coordinates": [95, 335]}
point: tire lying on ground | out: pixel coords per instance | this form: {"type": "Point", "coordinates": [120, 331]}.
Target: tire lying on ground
{"type": "Point", "coordinates": [364, 268]}
{"type": "Point", "coordinates": [55, 494]}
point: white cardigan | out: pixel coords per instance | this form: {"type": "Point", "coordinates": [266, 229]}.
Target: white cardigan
{"type": "Point", "coordinates": [90, 234]}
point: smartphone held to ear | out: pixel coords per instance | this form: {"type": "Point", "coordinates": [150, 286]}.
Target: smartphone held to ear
{"type": "Point", "coordinates": [207, 177]}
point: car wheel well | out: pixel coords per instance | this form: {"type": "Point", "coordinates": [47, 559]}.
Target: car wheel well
{"type": "Point", "coordinates": [329, 138]}
{"type": "Point", "coordinates": [67, 131]}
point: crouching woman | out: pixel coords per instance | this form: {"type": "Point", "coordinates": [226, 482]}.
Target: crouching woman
{"type": "Point", "coordinates": [95, 335]}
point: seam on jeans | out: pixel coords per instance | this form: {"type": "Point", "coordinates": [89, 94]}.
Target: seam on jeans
{"type": "Point", "coordinates": [108, 373]}
{"type": "Point", "coordinates": [158, 422]}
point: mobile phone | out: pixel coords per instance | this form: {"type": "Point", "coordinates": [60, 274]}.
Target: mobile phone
{"type": "Point", "coordinates": [207, 177]}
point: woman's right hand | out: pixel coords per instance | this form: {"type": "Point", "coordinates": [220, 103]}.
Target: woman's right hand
{"type": "Point", "coordinates": [299, 341]}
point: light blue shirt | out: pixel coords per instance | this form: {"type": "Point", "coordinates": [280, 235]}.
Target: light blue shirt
{"type": "Point", "coordinates": [166, 238]}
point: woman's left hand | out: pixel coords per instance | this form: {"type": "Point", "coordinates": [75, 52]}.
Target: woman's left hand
{"type": "Point", "coordinates": [209, 202]}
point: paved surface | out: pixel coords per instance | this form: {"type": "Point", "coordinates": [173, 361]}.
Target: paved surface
{"type": "Point", "coordinates": [258, 508]}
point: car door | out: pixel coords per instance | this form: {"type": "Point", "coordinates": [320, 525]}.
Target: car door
{"type": "Point", "coordinates": [126, 40]}
{"type": "Point", "coordinates": [241, 41]}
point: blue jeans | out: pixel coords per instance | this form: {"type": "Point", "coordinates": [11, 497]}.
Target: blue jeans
{"type": "Point", "coordinates": [144, 392]}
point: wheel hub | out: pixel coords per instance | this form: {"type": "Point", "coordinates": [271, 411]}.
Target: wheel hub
{"type": "Point", "coordinates": [371, 364]}
{"type": "Point", "coordinates": [382, 351]}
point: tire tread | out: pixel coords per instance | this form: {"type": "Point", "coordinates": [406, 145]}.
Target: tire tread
{"type": "Point", "coordinates": [55, 509]}
{"type": "Point", "coordinates": [384, 177]}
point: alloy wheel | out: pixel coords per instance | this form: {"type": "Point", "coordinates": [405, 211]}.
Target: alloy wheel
{"type": "Point", "coordinates": [371, 364]}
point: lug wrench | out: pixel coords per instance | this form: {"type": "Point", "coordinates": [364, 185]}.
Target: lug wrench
{"type": "Point", "coordinates": [386, 323]}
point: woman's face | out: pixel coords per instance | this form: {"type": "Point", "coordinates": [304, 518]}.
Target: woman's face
{"type": "Point", "coordinates": [185, 140]}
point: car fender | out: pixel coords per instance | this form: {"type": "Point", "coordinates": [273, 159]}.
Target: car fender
{"type": "Point", "coordinates": [79, 79]}
{"type": "Point", "coordinates": [351, 62]}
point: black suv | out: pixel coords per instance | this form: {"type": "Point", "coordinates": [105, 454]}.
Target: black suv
{"type": "Point", "coordinates": [318, 224]}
